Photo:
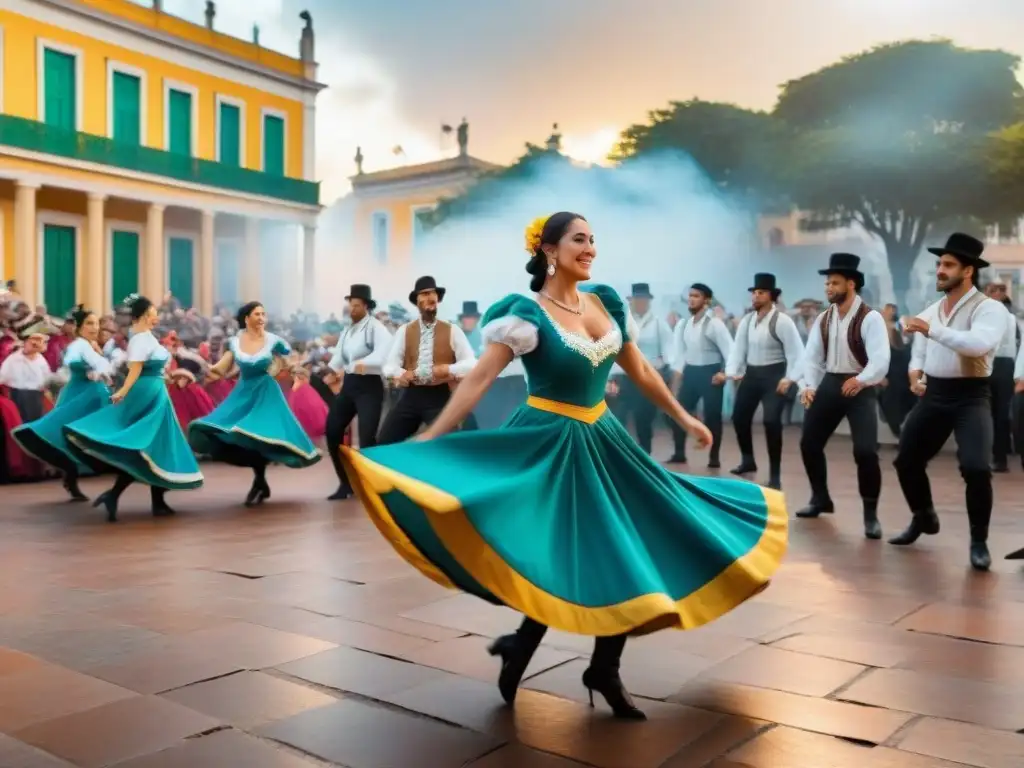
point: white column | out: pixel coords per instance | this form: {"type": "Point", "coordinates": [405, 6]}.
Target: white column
{"type": "Point", "coordinates": [154, 263]}
{"type": "Point", "coordinates": [26, 254]}
{"type": "Point", "coordinates": [252, 263]}
{"type": "Point", "coordinates": [309, 138]}
{"type": "Point", "coordinates": [206, 257]}
{"type": "Point", "coordinates": [308, 268]}
{"type": "Point", "coordinates": [94, 269]}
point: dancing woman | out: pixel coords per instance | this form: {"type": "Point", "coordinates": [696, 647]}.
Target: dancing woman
{"type": "Point", "coordinates": [139, 437]}
{"type": "Point", "coordinates": [85, 392]}
{"type": "Point", "coordinates": [559, 514]}
{"type": "Point", "coordinates": [254, 426]}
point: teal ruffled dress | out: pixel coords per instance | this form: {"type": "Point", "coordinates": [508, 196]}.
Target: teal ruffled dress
{"type": "Point", "coordinates": [255, 417]}
{"type": "Point", "coordinates": [140, 435]}
{"type": "Point", "coordinates": [44, 438]}
{"type": "Point", "coordinates": [559, 514]}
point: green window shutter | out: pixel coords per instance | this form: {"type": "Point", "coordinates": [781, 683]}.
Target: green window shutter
{"type": "Point", "coordinates": [127, 108]}
{"type": "Point", "coordinates": [273, 145]}
{"type": "Point", "coordinates": [180, 267]}
{"type": "Point", "coordinates": [230, 134]}
{"type": "Point", "coordinates": [179, 122]}
{"type": "Point", "coordinates": [59, 97]}
{"type": "Point", "coordinates": [228, 274]}
{"type": "Point", "coordinates": [58, 269]}
{"type": "Point", "coordinates": [124, 266]}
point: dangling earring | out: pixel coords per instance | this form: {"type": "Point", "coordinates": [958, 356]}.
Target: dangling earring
{"type": "Point", "coordinates": [551, 270]}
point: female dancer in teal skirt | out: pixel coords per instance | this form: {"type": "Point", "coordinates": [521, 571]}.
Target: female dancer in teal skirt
{"type": "Point", "coordinates": [254, 426]}
{"type": "Point", "coordinates": [559, 514]}
{"type": "Point", "coordinates": [86, 392]}
{"type": "Point", "coordinates": [138, 437]}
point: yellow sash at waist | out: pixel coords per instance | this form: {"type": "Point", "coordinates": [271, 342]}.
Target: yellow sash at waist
{"type": "Point", "coordinates": [577, 412]}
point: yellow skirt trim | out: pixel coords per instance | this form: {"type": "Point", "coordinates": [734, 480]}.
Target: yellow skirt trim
{"type": "Point", "coordinates": [577, 412]}
{"type": "Point", "coordinates": [741, 580]}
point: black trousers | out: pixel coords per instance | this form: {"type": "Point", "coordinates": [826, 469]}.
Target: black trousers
{"type": "Point", "coordinates": [829, 408]}
{"type": "Point", "coordinates": [1002, 403]}
{"type": "Point", "coordinates": [961, 407]}
{"type": "Point", "coordinates": [697, 388]}
{"type": "Point", "coordinates": [416, 406]}
{"type": "Point", "coordinates": [631, 403]}
{"type": "Point", "coordinates": [758, 388]}
{"type": "Point", "coordinates": [361, 395]}
{"type": "Point", "coordinates": [896, 400]}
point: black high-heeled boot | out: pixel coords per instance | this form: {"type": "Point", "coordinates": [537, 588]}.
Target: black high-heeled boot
{"type": "Point", "coordinates": [109, 499]}
{"type": "Point", "coordinates": [260, 490]}
{"type": "Point", "coordinates": [516, 651]}
{"type": "Point", "coordinates": [71, 486]}
{"type": "Point", "coordinates": [160, 507]}
{"type": "Point", "coordinates": [603, 676]}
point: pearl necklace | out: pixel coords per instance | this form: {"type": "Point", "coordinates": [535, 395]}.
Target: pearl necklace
{"type": "Point", "coordinates": [578, 310]}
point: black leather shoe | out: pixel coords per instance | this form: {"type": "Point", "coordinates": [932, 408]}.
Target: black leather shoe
{"type": "Point", "coordinates": [515, 658]}
{"type": "Point", "coordinates": [814, 509]}
{"type": "Point", "coordinates": [109, 502]}
{"type": "Point", "coordinates": [1018, 555]}
{"type": "Point", "coordinates": [714, 464]}
{"type": "Point", "coordinates": [341, 494]}
{"type": "Point", "coordinates": [926, 523]}
{"type": "Point", "coordinates": [981, 560]}
{"type": "Point", "coordinates": [872, 528]}
{"type": "Point", "coordinates": [677, 458]}
{"type": "Point", "coordinates": [610, 686]}
{"type": "Point", "coordinates": [71, 486]}
{"type": "Point", "coordinates": [775, 483]}
{"type": "Point", "coordinates": [745, 467]}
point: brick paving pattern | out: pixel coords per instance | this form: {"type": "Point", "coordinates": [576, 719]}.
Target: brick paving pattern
{"type": "Point", "coordinates": [291, 636]}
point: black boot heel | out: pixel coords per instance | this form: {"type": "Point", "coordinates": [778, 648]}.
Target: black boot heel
{"type": "Point", "coordinates": [254, 496]}
{"type": "Point", "coordinates": [109, 502]}
{"type": "Point", "coordinates": [514, 661]}
{"type": "Point", "coordinates": [610, 686]}
{"type": "Point", "coordinates": [71, 486]}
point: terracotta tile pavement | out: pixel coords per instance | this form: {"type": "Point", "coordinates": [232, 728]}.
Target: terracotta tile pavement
{"type": "Point", "coordinates": [291, 636]}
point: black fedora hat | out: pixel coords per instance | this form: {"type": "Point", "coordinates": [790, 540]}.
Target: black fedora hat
{"type": "Point", "coordinates": [965, 248]}
{"type": "Point", "coordinates": [360, 291]}
{"type": "Point", "coordinates": [845, 264]}
{"type": "Point", "coordinates": [424, 284]}
{"type": "Point", "coordinates": [469, 309]}
{"type": "Point", "coordinates": [641, 291]}
{"type": "Point", "coordinates": [763, 281]}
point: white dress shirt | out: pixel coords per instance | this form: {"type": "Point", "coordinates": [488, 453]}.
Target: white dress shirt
{"type": "Point", "coordinates": [367, 342]}
{"type": "Point", "coordinates": [464, 357]}
{"type": "Point", "coordinates": [700, 340]}
{"type": "Point", "coordinates": [1008, 345]}
{"type": "Point", "coordinates": [755, 345]}
{"type": "Point", "coordinates": [972, 335]}
{"type": "Point", "coordinates": [838, 358]}
{"type": "Point", "coordinates": [21, 372]}
{"type": "Point", "coordinates": [654, 339]}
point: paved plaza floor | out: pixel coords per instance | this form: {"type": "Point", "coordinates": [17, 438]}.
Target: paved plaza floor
{"type": "Point", "coordinates": [291, 636]}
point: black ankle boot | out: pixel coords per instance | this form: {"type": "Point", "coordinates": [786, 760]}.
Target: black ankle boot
{"type": "Point", "coordinates": [343, 492]}
{"type": "Point", "coordinates": [746, 466]}
{"type": "Point", "coordinates": [981, 560]}
{"type": "Point", "coordinates": [607, 682]}
{"type": "Point", "coordinates": [108, 501]}
{"type": "Point", "coordinates": [259, 492]}
{"type": "Point", "coordinates": [160, 507]}
{"type": "Point", "coordinates": [872, 528]}
{"type": "Point", "coordinates": [816, 508]}
{"type": "Point", "coordinates": [516, 651]}
{"type": "Point", "coordinates": [71, 486]}
{"type": "Point", "coordinates": [925, 522]}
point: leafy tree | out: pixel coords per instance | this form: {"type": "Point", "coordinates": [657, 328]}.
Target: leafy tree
{"type": "Point", "coordinates": [899, 139]}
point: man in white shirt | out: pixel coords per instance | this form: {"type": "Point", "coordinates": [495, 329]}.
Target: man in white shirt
{"type": "Point", "coordinates": [358, 359]}
{"type": "Point", "coordinates": [701, 345]}
{"type": "Point", "coordinates": [846, 358]}
{"type": "Point", "coordinates": [427, 358]}
{"type": "Point", "coordinates": [26, 373]}
{"type": "Point", "coordinates": [955, 341]}
{"type": "Point", "coordinates": [1002, 381]}
{"type": "Point", "coordinates": [765, 360]}
{"type": "Point", "coordinates": [655, 341]}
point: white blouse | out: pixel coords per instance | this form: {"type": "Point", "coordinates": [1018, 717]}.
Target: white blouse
{"type": "Point", "coordinates": [81, 351]}
{"type": "Point", "coordinates": [143, 347]}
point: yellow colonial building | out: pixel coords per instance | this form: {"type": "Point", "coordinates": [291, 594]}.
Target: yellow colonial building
{"type": "Point", "coordinates": [143, 153]}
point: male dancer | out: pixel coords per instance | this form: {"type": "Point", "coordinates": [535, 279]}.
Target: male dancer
{"type": "Point", "coordinates": [358, 358]}
{"type": "Point", "coordinates": [654, 342]}
{"type": "Point", "coordinates": [847, 355]}
{"type": "Point", "coordinates": [1002, 381]}
{"type": "Point", "coordinates": [702, 345]}
{"type": "Point", "coordinates": [765, 359]}
{"type": "Point", "coordinates": [427, 357]}
{"type": "Point", "coordinates": [955, 341]}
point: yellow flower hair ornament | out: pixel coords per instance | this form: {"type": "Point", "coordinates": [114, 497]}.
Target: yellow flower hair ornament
{"type": "Point", "coordinates": [533, 233]}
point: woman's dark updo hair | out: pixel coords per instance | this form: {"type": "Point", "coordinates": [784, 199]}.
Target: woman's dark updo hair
{"type": "Point", "coordinates": [138, 306]}
{"type": "Point", "coordinates": [79, 315]}
{"type": "Point", "coordinates": [244, 311]}
{"type": "Point", "coordinates": [554, 230]}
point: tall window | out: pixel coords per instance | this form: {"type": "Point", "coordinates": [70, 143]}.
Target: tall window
{"type": "Point", "coordinates": [60, 100]}
{"type": "Point", "coordinates": [273, 145]}
{"type": "Point", "coordinates": [179, 122]}
{"type": "Point", "coordinates": [381, 236]}
{"type": "Point", "coordinates": [126, 92]}
{"type": "Point", "coordinates": [230, 150]}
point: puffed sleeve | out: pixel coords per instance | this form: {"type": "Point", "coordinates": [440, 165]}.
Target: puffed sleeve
{"type": "Point", "coordinates": [281, 347]}
{"type": "Point", "coordinates": [616, 307]}
{"type": "Point", "coordinates": [514, 321]}
{"type": "Point", "coordinates": [141, 347]}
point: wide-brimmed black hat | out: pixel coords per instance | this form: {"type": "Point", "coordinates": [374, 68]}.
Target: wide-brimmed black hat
{"type": "Point", "coordinates": [845, 264]}
{"type": "Point", "coordinates": [763, 281]}
{"type": "Point", "coordinates": [965, 248]}
{"type": "Point", "coordinates": [360, 291]}
{"type": "Point", "coordinates": [425, 284]}
{"type": "Point", "coordinates": [469, 309]}
{"type": "Point", "coordinates": [641, 291]}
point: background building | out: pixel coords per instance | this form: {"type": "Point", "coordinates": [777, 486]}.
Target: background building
{"type": "Point", "coordinates": [141, 152]}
